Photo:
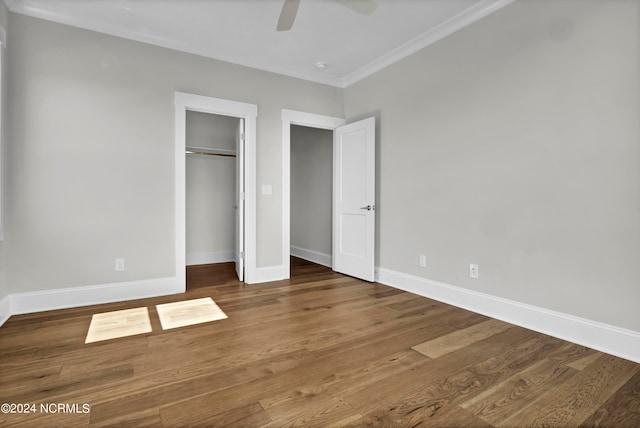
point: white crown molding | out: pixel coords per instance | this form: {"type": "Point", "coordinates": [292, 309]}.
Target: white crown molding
{"type": "Point", "coordinates": [17, 6]}
{"type": "Point", "coordinates": [459, 21]}
{"type": "Point", "coordinates": [456, 23]}
{"type": "Point", "coordinates": [610, 339]}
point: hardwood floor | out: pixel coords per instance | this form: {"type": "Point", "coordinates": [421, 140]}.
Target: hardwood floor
{"type": "Point", "coordinates": [321, 349]}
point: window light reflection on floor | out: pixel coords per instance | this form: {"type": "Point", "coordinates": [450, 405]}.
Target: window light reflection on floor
{"type": "Point", "coordinates": [130, 322]}
{"type": "Point", "coordinates": [111, 325]}
{"type": "Point", "coordinates": [189, 312]}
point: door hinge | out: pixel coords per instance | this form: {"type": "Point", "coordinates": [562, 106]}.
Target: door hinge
{"type": "Point", "coordinates": [242, 196]}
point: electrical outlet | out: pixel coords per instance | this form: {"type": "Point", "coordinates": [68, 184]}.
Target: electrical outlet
{"type": "Point", "coordinates": [119, 265]}
{"type": "Point", "coordinates": [423, 260]}
{"type": "Point", "coordinates": [473, 270]}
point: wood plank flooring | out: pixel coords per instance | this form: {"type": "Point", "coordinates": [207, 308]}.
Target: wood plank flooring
{"type": "Point", "coordinates": [321, 349]}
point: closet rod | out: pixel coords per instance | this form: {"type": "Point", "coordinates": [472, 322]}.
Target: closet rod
{"type": "Point", "coordinates": [210, 154]}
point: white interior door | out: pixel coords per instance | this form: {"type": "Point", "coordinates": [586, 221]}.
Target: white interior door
{"type": "Point", "coordinates": [240, 194]}
{"type": "Point", "coordinates": [354, 199]}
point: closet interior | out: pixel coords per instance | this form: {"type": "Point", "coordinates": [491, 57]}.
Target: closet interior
{"type": "Point", "coordinates": [210, 188]}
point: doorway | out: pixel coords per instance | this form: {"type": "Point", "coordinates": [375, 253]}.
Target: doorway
{"type": "Point", "coordinates": [354, 208]}
{"type": "Point", "coordinates": [245, 253]}
{"type": "Point", "coordinates": [210, 188]}
{"type": "Point", "coordinates": [307, 120]}
{"type": "Point", "coordinates": [311, 194]}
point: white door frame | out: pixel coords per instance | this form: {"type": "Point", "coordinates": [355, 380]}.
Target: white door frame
{"type": "Point", "coordinates": [238, 215]}
{"type": "Point", "coordinates": [292, 117]}
{"type": "Point", "coordinates": [189, 102]}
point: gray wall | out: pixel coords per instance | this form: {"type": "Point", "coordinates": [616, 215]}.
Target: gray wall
{"type": "Point", "coordinates": [4, 288]}
{"type": "Point", "coordinates": [515, 144]}
{"type": "Point", "coordinates": [210, 186]}
{"type": "Point", "coordinates": [90, 154]}
{"type": "Point", "coordinates": [4, 16]}
{"type": "Point", "coordinates": [311, 188]}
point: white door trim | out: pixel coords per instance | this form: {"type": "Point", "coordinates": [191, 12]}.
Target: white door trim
{"type": "Point", "coordinates": [189, 102]}
{"type": "Point", "coordinates": [238, 215]}
{"type": "Point", "coordinates": [293, 117]}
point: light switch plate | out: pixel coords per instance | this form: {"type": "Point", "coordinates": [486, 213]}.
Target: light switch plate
{"type": "Point", "coordinates": [423, 260]}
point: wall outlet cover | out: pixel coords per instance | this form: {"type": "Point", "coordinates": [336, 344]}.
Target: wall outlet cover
{"type": "Point", "coordinates": [473, 270]}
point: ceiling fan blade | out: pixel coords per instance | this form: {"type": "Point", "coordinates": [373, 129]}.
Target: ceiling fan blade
{"type": "Point", "coordinates": [288, 15]}
{"type": "Point", "coordinates": [363, 7]}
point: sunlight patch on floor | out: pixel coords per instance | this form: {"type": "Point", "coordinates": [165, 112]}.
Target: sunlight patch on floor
{"type": "Point", "coordinates": [111, 325]}
{"type": "Point", "coordinates": [189, 312]}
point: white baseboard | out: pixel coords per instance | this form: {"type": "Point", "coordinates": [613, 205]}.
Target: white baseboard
{"type": "Point", "coordinates": [610, 339]}
{"type": "Point", "coordinates": [5, 309]}
{"type": "Point", "coordinates": [268, 274]}
{"type": "Point", "coordinates": [47, 300]}
{"type": "Point", "coordinates": [209, 257]}
{"type": "Point", "coordinates": [311, 255]}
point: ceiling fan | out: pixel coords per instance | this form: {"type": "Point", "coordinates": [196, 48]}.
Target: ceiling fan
{"type": "Point", "coordinates": [290, 10]}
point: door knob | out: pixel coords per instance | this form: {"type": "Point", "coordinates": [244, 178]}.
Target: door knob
{"type": "Point", "coordinates": [368, 207]}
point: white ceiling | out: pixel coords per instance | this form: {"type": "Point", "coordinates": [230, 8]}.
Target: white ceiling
{"type": "Point", "coordinates": [244, 31]}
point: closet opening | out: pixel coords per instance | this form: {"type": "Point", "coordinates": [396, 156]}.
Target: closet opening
{"type": "Point", "coordinates": [311, 194]}
{"type": "Point", "coordinates": [213, 191]}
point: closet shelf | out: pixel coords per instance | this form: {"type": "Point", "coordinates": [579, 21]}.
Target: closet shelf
{"type": "Point", "coordinates": [209, 151]}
